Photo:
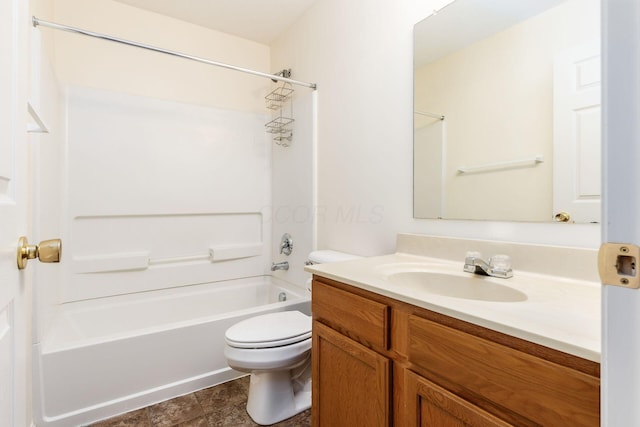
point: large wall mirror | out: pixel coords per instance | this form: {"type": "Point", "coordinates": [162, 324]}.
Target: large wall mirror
{"type": "Point", "coordinates": [507, 111]}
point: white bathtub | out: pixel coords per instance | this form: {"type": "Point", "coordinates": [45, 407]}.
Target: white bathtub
{"type": "Point", "coordinates": [108, 356]}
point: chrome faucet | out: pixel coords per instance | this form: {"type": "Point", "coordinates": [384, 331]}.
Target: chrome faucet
{"type": "Point", "coordinates": [498, 265]}
{"type": "Point", "coordinates": [284, 265]}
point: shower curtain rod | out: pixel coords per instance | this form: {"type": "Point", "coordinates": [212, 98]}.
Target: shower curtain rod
{"type": "Point", "coordinates": [424, 113]}
{"type": "Point", "coordinates": [37, 21]}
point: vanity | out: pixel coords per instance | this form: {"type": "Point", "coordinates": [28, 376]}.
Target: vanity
{"type": "Point", "coordinates": [390, 348]}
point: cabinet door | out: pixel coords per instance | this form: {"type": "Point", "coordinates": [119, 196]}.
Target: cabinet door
{"type": "Point", "coordinates": [350, 382]}
{"type": "Point", "coordinates": [428, 405]}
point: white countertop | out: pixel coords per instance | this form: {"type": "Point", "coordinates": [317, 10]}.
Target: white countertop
{"type": "Point", "coordinates": [558, 312]}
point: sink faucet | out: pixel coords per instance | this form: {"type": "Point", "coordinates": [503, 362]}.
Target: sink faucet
{"type": "Point", "coordinates": [284, 265]}
{"type": "Point", "coordinates": [498, 265]}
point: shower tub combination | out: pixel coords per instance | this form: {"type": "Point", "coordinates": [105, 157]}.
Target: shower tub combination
{"type": "Point", "coordinates": [112, 355]}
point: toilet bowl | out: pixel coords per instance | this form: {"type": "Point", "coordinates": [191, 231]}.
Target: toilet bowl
{"type": "Point", "coordinates": [275, 349]}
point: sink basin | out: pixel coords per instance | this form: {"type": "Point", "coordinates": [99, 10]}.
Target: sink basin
{"type": "Point", "coordinates": [456, 285]}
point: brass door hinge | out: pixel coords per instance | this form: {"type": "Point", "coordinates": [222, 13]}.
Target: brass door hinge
{"type": "Point", "coordinates": [617, 264]}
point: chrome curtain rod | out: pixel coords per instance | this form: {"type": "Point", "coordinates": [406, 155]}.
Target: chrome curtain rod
{"type": "Point", "coordinates": [38, 21]}
{"type": "Point", "coordinates": [424, 113]}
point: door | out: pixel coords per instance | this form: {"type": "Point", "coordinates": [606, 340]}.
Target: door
{"type": "Point", "coordinates": [621, 208]}
{"type": "Point", "coordinates": [576, 133]}
{"type": "Point", "coordinates": [13, 213]}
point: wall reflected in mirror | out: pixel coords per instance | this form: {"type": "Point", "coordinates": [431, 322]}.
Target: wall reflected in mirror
{"type": "Point", "coordinates": [507, 111]}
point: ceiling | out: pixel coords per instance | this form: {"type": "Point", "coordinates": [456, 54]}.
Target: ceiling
{"type": "Point", "coordinates": [258, 20]}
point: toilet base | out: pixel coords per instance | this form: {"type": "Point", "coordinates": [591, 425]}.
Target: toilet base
{"type": "Point", "coordinates": [277, 395]}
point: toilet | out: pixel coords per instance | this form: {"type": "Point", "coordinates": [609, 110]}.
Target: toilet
{"type": "Point", "coordinates": [275, 348]}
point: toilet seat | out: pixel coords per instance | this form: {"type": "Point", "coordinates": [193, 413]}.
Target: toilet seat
{"type": "Point", "coordinates": [268, 344]}
{"type": "Point", "coordinates": [270, 330]}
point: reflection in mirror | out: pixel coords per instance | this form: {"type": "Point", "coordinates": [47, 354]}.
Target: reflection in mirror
{"type": "Point", "coordinates": [507, 111]}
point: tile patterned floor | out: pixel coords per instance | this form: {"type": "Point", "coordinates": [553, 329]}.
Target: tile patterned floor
{"type": "Point", "coordinates": [222, 405]}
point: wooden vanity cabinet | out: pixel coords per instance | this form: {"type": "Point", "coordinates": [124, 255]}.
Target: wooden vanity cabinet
{"type": "Point", "coordinates": [351, 378]}
{"type": "Point", "coordinates": [378, 361]}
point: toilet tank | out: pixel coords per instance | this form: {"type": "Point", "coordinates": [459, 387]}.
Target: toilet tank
{"type": "Point", "coordinates": [325, 256]}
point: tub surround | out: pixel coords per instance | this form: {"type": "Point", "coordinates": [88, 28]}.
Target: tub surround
{"type": "Point", "coordinates": [562, 306]}
{"type": "Point", "coordinates": [133, 232]}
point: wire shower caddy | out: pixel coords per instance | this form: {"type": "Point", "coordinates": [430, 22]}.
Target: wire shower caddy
{"type": "Point", "coordinates": [280, 102]}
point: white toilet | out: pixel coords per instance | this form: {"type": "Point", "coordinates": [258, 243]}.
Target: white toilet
{"type": "Point", "coordinates": [276, 349]}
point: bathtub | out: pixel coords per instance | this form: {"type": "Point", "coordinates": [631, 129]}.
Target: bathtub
{"type": "Point", "coordinates": [112, 355]}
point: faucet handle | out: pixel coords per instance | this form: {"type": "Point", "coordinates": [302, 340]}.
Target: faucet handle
{"type": "Point", "coordinates": [500, 262]}
{"type": "Point", "coordinates": [470, 261]}
{"type": "Point", "coordinates": [286, 244]}
{"type": "Point", "coordinates": [500, 266]}
{"type": "Point", "coordinates": [471, 255]}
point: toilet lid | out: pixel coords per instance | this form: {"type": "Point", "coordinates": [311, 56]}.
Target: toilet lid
{"type": "Point", "coordinates": [270, 330]}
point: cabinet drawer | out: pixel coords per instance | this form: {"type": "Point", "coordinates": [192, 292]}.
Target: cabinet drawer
{"type": "Point", "coordinates": [360, 318]}
{"type": "Point", "coordinates": [502, 379]}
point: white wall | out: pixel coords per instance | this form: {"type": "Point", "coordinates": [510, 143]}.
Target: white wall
{"type": "Point", "coordinates": [85, 61]}
{"type": "Point", "coordinates": [360, 54]}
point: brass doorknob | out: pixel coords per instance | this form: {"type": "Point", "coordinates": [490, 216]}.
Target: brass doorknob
{"type": "Point", "coordinates": [46, 251]}
{"type": "Point", "coordinates": [562, 217]}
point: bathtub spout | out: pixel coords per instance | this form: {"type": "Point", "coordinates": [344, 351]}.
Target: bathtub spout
{"type": "Point", "coordinates": [284, 265]}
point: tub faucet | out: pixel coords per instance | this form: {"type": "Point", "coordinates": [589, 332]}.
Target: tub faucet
{"type": "Point", "coordinates": [284, 265]}
{"type": "Point", "coordinates": [498, 265]}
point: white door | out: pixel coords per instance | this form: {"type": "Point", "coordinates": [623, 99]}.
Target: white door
{"type": "Point", "coordinates": [621, 208]}
{"type": "Point", "coordinates": [13, 213]}
{"type": "Point", "coordinates": [576, 133]}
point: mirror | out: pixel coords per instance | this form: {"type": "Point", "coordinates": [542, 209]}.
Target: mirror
{"type": "Point", "coordinates": [507, 111]}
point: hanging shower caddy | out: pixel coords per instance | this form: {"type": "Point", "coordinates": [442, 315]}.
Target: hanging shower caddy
{"type": "Point", "coordinates": [280, 102]}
